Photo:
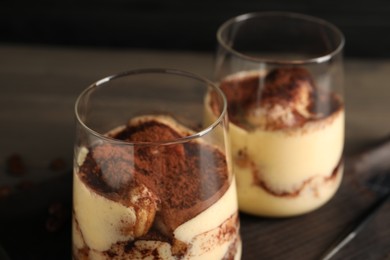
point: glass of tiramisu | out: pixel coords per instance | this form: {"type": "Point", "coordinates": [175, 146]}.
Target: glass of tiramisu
{"type": "Point", "coordinates": [152, 178]}
{"type": "Point", "coordinates": [282, 74]}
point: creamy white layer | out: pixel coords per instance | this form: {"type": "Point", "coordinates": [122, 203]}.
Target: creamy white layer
{"type": "Point", "coordinates": [101, 224]}
{"type": "Point", "coordinates": [286, 161]}
{"type": "Point", "coordinates": [98, 222]}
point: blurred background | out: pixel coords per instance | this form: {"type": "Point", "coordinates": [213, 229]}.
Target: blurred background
{"type": "Point", "coordinates": [179, 25]}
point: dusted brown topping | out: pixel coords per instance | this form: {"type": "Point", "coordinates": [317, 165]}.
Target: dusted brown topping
{"type": "Point", "coordinates": [107, 168]}
{"type": "Point", "coordinates": [148, 131]}
{"type": "Point", "coordinates": [288, 85]}
{"type": "Point", "coordinates": [283, 98]}
{"type": "Point", "coordinates": [184, 179]}
{"type": "Point", "coordinates": [241, 90]}
{"type": "Point", "coordinates": [290, 88]}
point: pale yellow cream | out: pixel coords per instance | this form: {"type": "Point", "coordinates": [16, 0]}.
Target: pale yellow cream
{"type": "Point", "coordinates": [295, 164]}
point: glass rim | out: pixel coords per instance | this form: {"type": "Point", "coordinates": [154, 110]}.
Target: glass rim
{"type": "Point", "coordinates": [308, 18]}
{"type": "Point", "coordinates": [167, 71]}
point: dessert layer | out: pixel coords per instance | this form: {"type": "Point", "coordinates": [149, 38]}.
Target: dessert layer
{"type": "Point", "coordinates": [285, 159]}
{"type": "Point", "coordinates": [279, 99]}
{"type": "Point", "coordinates": [140, 196]}
{"type": "Point", "coordinates": [287, 139]}
{"type": "Point", "coordinates": [217, 238]}
{"type": "Point", "coordinates": [314, 193]}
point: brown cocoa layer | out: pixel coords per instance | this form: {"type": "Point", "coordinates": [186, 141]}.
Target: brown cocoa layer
{"type": "Point", "coordinates": [186, 177]}
{"type": "Point", "coordinates": [283, 85]}
{"type": "Point", "coordinates": [289, 88]}
{"type": "Point", "coordinates": [227, 232]}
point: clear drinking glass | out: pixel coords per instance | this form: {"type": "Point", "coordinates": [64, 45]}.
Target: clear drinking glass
{"type": "Point", "coordinates": [152, 180]}
{"type": "Point", "coordinates": [282, 74]}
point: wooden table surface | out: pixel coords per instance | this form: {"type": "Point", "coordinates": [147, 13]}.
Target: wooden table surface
{"type": "Point", "coordinates": [38, 88]}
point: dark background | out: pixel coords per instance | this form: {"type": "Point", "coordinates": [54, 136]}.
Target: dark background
{"type": "Point", "coordinates": [180, 25]}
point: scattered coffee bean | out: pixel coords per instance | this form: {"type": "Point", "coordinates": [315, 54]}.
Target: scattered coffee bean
{"type": "Point", "coordinates": [57, 164]}
{"type": "Point", "coordinates": [15, 165]}
{"type": "Point", "coordinates": [5, 191]}
{"type": "Point", "coordinates": [57, 217]}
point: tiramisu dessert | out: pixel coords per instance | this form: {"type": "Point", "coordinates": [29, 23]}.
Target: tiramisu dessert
{"type": "Point", "coordinates": [145, 197]}
{"type": "Point", "coordinates": [287, 137]}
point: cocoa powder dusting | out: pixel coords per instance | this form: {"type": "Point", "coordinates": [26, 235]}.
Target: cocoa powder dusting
{"type": "Point", "coordinates": [292, 89]}
{"type": "Point", "coordinates": [239, 92]}
{"type": "Point", "coordinates": [283, 84]}
{"type": "Point", "coordinates": [186, 177]}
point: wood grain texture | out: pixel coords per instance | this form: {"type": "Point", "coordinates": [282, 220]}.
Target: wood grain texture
{"type": "Point", "coordinates": [38, 88]}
